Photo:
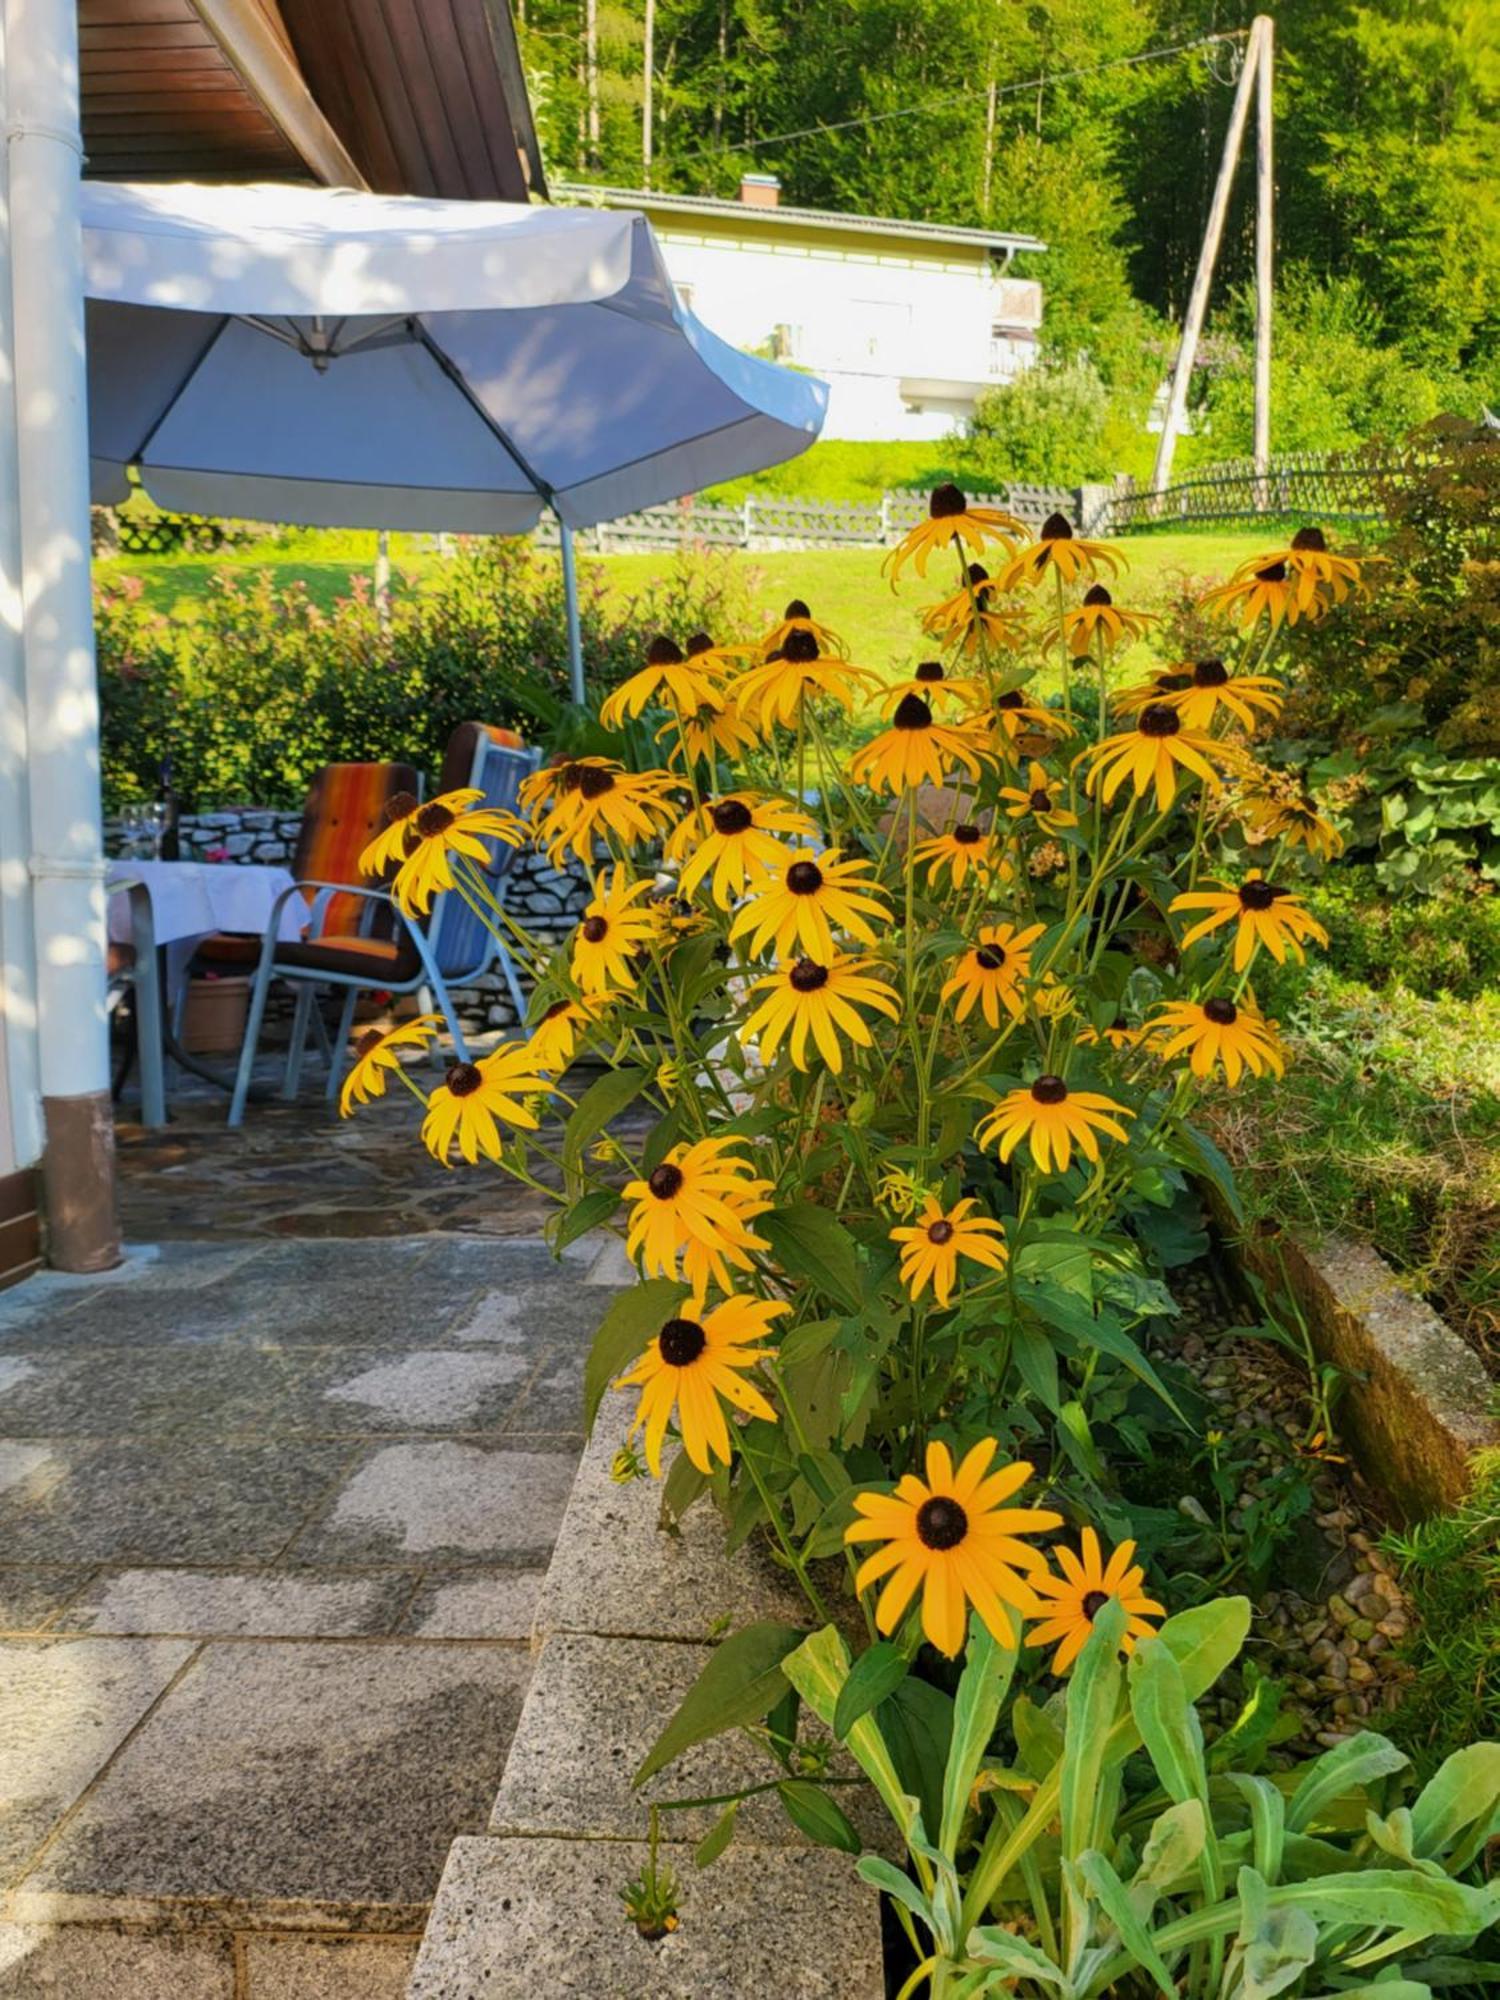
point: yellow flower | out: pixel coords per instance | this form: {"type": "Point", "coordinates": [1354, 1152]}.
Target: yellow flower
{"type": "Point", "coordinates": [821, 1001]}
{"type": "Point", "coordinates": [697, 1205]}
{"type": "Point", "coordinates": [738, 837]}
{"type": "Point", "coordinates": [475, 1098]}
{"type": "Point", "coordinates": [962, 849]}
{"type": "Point", "coordinates": [430, 838]}
{"type": "Point", "coordinates": [1317, 578]}
{"type": "Point", "coordinates": [695, 1365]}
{"type": "Point", "coordinates": [1268, 590]}
{"type": "Point", "coordinates": [1116, 1034]}
{"type": "Point", "coordinates": [932, 1246]}
{"type": "Point", "coordinates": [950, 518]}
{"type": "Point", "coordinates": [1081, 1592]}
{"type": "Point", "coordinates": [952, 1536]}
{"type": "Point", "coordinates": [971, 617]}
{"type": "Point", "coordinates": [710, 732]}
{"type": "Point", "coordinates": [1100, 618]}
{"type": "Point", "coordinates": [798, 907]}
{"type": "Point", "coordinates": [930, 684]}
{"type": "Point", "coordinates": [597, 797]}
{"type": "Point", "coordinates": [797, 618]}
{"type": "Point", "coordinates": [1217, 1031]}
{"type": "Point", "coordinates": [916, 750]}
{"type": "Point", "coordinates": [610, 934]}
{"type": "Point", "coordinates": [1024, 724]}
{"type": "Point", "coordinates": [553, 1042]}
{"type": "Point", "coordinates": [682, 683]}
{"type": "Point", "coordinates": [775, 690]}
{"type": "Point", "coordinates": [1291, 817]}
{"type": "Point", "coordinates": [398, 835]}
{"type": "Point", "coordinates": [1041, 800]}
{"type": "Point", "coordinates": [899, 1192]}
{"type": "Point", "coordinates": [1247, 697]}
{"type": "Point", "coordinates": [1153, 754]}
{"type": "Point", "coordinates": [375, 1058]}
{"type": "Point", "coordinates": [1057, 551]}
{"type": "Point", "coordinates": [1056, 1119]}
{"type": "Point", "coordinates": [1263, 915]}
{"type": "Point", "coordinates": [990, 973]}
{"type": "Point", "coordinates": [1161, 687]}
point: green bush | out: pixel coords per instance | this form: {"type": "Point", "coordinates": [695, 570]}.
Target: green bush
{"type": "Point", "coordinates": [1446, 943]}
{"type": "Point", "coordinates": [1046, 427]}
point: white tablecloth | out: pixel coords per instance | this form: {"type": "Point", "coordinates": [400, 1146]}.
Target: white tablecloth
{"type": "Point", "coordinates": [193, 899]}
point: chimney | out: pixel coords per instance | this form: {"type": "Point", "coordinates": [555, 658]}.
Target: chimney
{"type": "Point", "coordinates": [760, 191]}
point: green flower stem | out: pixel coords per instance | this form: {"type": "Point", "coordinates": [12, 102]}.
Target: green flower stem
{"type": "Point", "coordinates": [795, 1560]}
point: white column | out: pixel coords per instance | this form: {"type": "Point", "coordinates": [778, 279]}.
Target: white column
{"type": "Point", "coordinates": [570, 604]}
{"type": "Point", "coordinates": [67, 869]}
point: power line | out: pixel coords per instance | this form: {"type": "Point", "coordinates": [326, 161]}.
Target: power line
{"type": "Point", "coordinates": [956, 96]}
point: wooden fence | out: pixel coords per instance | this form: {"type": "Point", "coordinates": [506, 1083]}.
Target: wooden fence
{"type": "Point", "coordinates": [1302, 486]}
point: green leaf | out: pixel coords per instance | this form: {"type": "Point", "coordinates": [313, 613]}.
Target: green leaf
{"type": "Point", "coordinates": [1463, 1794]}
{"type": "Point", "coordinates": [1110, 1893]}
{"type": "Point", "coordinates": [633, 1320]}
{"type": "Point", "coordinates": [1277, 1944]}
{"type": "Point", "coordinates": [1201, 1156]}
{"type": "Point", "coordinates": [1168, 1722]}
{"type": "Point", "coordinates": [596, 1207]}
{"type": "Point", "coordinates": [988, 1667]}
{"type": "Point", "coordinates": [917, 1725]}
{"type": "Point", "coordinates": [890, 1881]}
{"type": "Point", "coordinates": [807, 1242]}
{"type": "Point", "coordinates": [606, 1097]}
{"type": "Point", "coordinates": [1016, 1957]}
{"type": "Point", "coordinates": [1093, 1705]}
{"type": "Point", "coordinates": [878, 1671]}
{"type": "Point", "coordinates": [1350, 1766]}
{"type": "Point", "coordinates": [806, 1342]}
{"type": "Point", "coordinates": [683, 1485]}
{"type": "Point", "coordinates": [741, 1683]}
{"type": "Point", "coordinates": [812, 1812]}
{"type": "Point", "coordinates": [1036, 1364]}
{"type": "Point", "coordinates": [714, 1842]}
{"type": "Point", "coordinates": [1172, 1847]}
{"type": "Point", "coordinates": [1267, 1822]}
{"type": "Point", "coordinates": [818, 1670]}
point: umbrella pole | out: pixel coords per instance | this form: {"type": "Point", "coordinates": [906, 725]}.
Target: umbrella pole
{"type": "Point", "coordinates": [570, 599]}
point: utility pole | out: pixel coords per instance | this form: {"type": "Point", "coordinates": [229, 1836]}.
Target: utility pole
{"type": "Point", "coordinates": [1192, 325]}
{"type": "Point", "coordinates": [648, 91]}
{"type": "Point", "coordinates": [1265, 196]}
{"type": "Point", "coordinates": [591, 75]}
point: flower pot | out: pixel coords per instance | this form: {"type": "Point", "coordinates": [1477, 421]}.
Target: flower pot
{"type": "Point", "coordinates": [213, 1022]}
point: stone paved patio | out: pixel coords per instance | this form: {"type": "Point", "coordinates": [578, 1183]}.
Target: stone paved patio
{"type": "Point", "coordinates": [275, 1501]}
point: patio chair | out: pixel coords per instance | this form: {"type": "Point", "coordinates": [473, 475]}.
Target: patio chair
{"type": "Point", "coordinates": [452, 947]}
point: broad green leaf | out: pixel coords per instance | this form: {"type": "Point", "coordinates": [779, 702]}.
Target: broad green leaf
{"type": "Point", "coordinates": [1201, 1156]}
{"type": "Point", "coordinates": [814, 1813]}
{"type": "Point", "coordinates": [1267, 1822]}
{"type": "Point", "coordinates": [1463, 1796]}
{"type": "Point", "coordinates": [1168, 1722]}
{"type": "Point", "coordinates": [1172, 1847]}
{"type": "Point", "coordinates": [741, 1683]}
{"type": "Point", "coordinates": [1387, 1989]}
{"type": "Point", "coordinates": [1392, 1835]}
{"type": "Point", "coordinates": [917, 1724]}
{"type": "Point", "coordinates": [1038, 1738]}
{"type": "Point", "coordinates": [1110, 1893]}
{"type": "Point", "coordinates": [1112, 1340]}
{"type": "Point", "coordinates": [632, 1321]}
{"type": "Point", "coordinates": [878, 1671]}
{"type": "Point", "coordinates": [606, 1097]}
{"type": "Point", "coordinates": [1276, 1944]}
{"type": "Point", "coordinates": [805, 1341]}
{"type": "Point", "coordinates": [683, 1485]}
{"type": "Point", "coordinates": [714, 1842]}
{"type": "Point", "coordinates": [1036, 1364]}
{"type": "Point", "coordinates": [988, 1667]}
{"type": "Point", "coordinates": [1390, 1899]}
{"type": "Point", "coordinates": [595, 1208]}
{"type": "Point", "coordinates": [1353, 1764]}
{"type": "Point", "coordinates": [888, 1879]}
{"type": "Point", "coordinates": [1093, 1705]}
{"type": "Point", "coordinates": [818, 1670]}
{"type": "Point", "coordinates": [807, 1242]}
{"type": "Point", "coordinates": [1016, 1957]}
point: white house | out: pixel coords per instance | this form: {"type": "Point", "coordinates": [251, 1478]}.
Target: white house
{"type": "Point", "coordinates": [907, 322]}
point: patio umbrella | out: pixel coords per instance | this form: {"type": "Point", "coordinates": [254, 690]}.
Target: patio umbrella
{"type": "Point", "coordinates": [342, 359]}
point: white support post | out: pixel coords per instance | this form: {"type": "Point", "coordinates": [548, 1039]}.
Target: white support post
{"type": "Point", "coordinates": [1264, 253]}
{"type": "Point", "coordinates": [67, 864]}
{"type": "Point", "coordinates": [570, 599]}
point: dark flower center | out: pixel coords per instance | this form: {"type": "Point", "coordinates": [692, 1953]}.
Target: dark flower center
{"type": "Point", "coordinates": [596, 929]}
{"type": "Point", "coordinates": [368, 1043]}
{"type": "Point", "coordinates": [732, 816]}
{"type": "Point", "coordinates": [968, 835]}
{"type": "Point", "coordinates": [1097, 594]}
{"type": "Point", "coordinates": [1012, 698]}
{"type": "Point", "coordinates": [1159, 718]}
{"type": "Point", "coordinates": [1041, 801]}
{"type": "Point", "coordinates": [1259, 894]}
{"type": "Point", "coordinates": [665, 1181]}
{"type": "Point", "coordinates": [1094, 1603]}
{"type": "Point", "coordinates": [804, 878]}
{"type": "Point", "coordinates": [1056, 529]}
{"type": "Point", "coordinates": [680, 1342]}
{"type": "Point", "coordinates": [912, 713]}
{"type": "Point", "coordinates": [1309, 538]}
{"type": "Point", "coordinates": [663, 652]}
{"type": "Point", "coordinates": [1210, 674]}
{"type": "Point", "coordinates": [796, 609]}
{"type": "Point", "coordinates": [946, 501]}
{"type": "Point", "coordinates": [463, 1079]}
{"type": "Point", "coordinates": [800, 647]}
{"type": "Point", "coordinates": [940, 1231]}
{"type": "Point", "coordinates": [1223, 1013]}
{"type": "Point", "coordinates": [990, 956]}
{"type": "Point", "coordinates": [807, 977]}
{"type": "Point", "coordinates": [434, 819]}
{"type": "Point", "coordinates": [1272, 573]}
{"type": "Point", "coordinates": [941, 1523]}
{"type": "Point", "coordinates": [594, 781]}
{"type": "Point", "coordinates": [929, 670]}
{"type": "Point", "coordinates": [1049, 1090]}
{"type": "Point", "coordinates": [699, 643]}
{"type": "Point", "coordinates": [978, 573]}
{"type": "Point", "coordinates": [557, 1007]}
{"type": "Point", "coordinates": [400, 805]}
{"type": "Point", "coordinates": [1173, 683]}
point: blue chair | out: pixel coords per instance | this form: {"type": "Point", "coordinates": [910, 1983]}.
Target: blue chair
{"type": "Point", "coordinates": [452, 947]}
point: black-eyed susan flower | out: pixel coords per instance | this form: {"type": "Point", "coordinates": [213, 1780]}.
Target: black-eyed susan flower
{"type": "Point", "coordinates": [1099, 621]}
{"type": "Point", "coordinates": [797, 908]}
{"type": "Point", "coordinates": [1025, 725]}
{"type": "Point", "coordinates": [1217, 1030]}
{"type": "Point", "coordinates": [963, 850]}
{"type": "Point", "coordinates": [950, 519]}
{"type": "Point", "coordinates": [1041, 799]}
{"type": "Point", "coordinates": [1270, 814]}
{"type": "Point", "coordinates": [398, 834]}
{"type": "Point", "coordinates": [991, 973]}
{"type": "Point", "coordinates": [1262, 914]}
{"type": "Point", "coordinates": [696, 1364]}
{"type": "Point", "coordinates": [1211, 687]}
{"type": "Point", "coordinates": [952, 1537]}
{"type": "Point", "coordinates": [1116, 1034]}
{"type": "Point", "coordinates": [776, 689]}
{"type": "Point", "coordinates": [931, 683]}
{"type": "Point", "coordinates": [554, 1040]}
{"type": "Point", "coordinates": [1075, 1598]}
{"type": "Point", "coordinates": [445, 827]}
{"type": "Point", "coordinates": [975, 616]}
{"type": "Point", "coordinates": [1269, 590]}
{"type": "Point", "coordinates": [610, 933]}
{"type": "Point", "coordinates": [810, 1001]}
{"type": "Point", "coordinates": [709, 732]}
{"type": "Point", "coordinates": [697, 1206]}
{"type": "Point", "coordinates": [686, 682]}
{"type": "Point", "coordinates": [1153, 755]}
{"type": "Point", "coordinates": [797, 618]}
{"type": "Point", "coordinates": [1161, 687]}
{"type": "Point", "coordinates": [917, 749]}
{"type": "Point", "coordinates": [1055, 1119]}
{"type": "Point", "coordinates": [584, 799]}
{"type": "Point", "coordinates": [476, 1098]}
{"type": "Point", "coordinates": [932, 1245]}
{"type": "Point", "coordinates": [377, 1057]}
{"type": "Point", "coordinates": [1058, 552]}
{"type": "Point", "coordinates": [1318, 577]}
{"type": "Point", "coordinates": [736, 839]}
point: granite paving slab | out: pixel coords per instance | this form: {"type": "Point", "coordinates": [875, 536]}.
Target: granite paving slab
{"type": "Point", "coordinates": [134, 1315]}
{"type": "Point", "coordinates": [292, 1968]}
{"type": "Point", "coordinates": [28, 1471]}
{"type": "Point", "coordinates": [330, 1777]}
{"type": "Point", "coordinates": [360, 1390]}
{"type": "Point", "coordinates": [555, 1313]}
{"type": "Point", "coordinates": [445, 1500]}
{"type": "Point", "coordinates": [238, 1604]}
{"type": "Point", "coordinates": [211, 1390]}
{"type": "Point", "coordinates": [498, 1606]}
{"type": "Point", "coordinates": [79, 1962]}
{"type": "Point", "coordinates": [552, 1398]}
{"type": "Point", "coordinates": [65, 1708]}
{"type": "Point", "coordinates": [31, 1598]}
{"type": "Point", "coordinates": [495, 1932]}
